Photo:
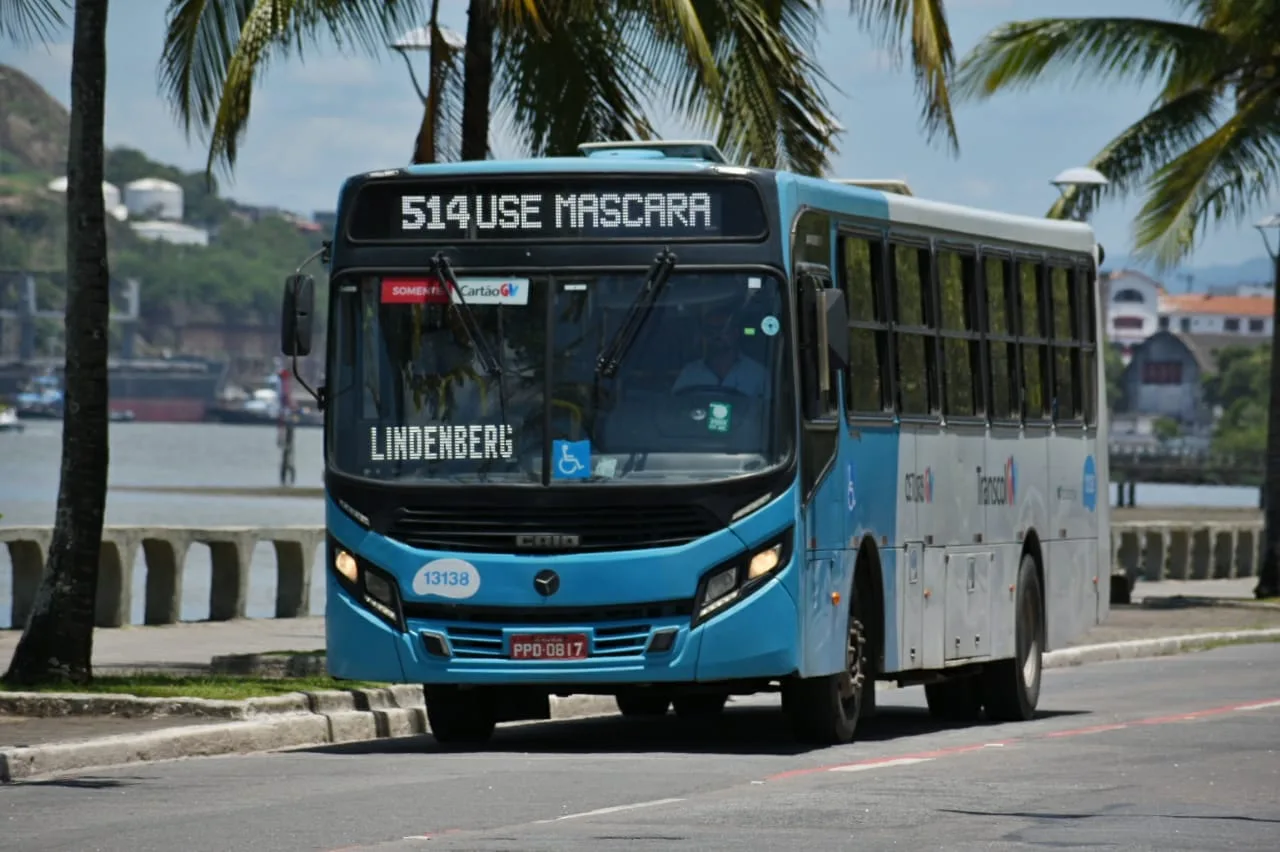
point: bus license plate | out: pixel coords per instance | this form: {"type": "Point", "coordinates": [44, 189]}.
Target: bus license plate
{"type": "Point", "coordinates": [549, 646]}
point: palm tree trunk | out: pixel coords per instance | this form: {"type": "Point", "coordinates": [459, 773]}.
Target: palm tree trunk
{"type": "Point", "coordinates": [477, 79]}
{"type": "Point", "coordinates": [1269, 577]}
{"type": "Point", "coordinates": [57, 643]}
{"type": "Point", "coordinates": [424, 150]}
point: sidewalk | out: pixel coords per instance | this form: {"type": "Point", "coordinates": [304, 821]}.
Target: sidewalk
{"type": "Point", "coordinates": [189, 647]}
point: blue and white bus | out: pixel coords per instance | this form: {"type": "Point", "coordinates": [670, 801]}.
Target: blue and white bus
{"type": "Point", "coordinates": [645, 424]}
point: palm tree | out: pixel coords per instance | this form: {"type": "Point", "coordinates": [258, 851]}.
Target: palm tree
{"type": "Point", "coordinates": [1207, 151]}
{"type": "Point", "coordinates": [57, 642]}
{"type": "Point", "coordinates": [560, 72]}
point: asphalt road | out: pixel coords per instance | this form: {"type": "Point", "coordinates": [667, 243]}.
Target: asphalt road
{"type": "Point", "coordinates": [1168, 754]}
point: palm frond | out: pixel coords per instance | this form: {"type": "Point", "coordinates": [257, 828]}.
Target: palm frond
{"type": "Point", "coordinates": [1221, 178]}
{"type": "Point", "coordinates": [1023, 52]}
{"type": "Point", "coordinates": [768, 107]}
{"type": "Point", "coordinates": [932, 53]}
{"type": "Point", "coordinates": [1141, 148]}
{"type": "Point", "coordinates": [575, 79]}
{"type": "Point", "coordinates": [215, 50]}
{"type": "Point", "coordinates": [27, 22]}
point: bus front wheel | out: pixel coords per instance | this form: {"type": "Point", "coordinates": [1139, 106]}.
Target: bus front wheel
{"type": "Point", "coordinates": [824, 710]}
{"type": "Point", "coordinates": [460, 716]}
{"type": "Point", "coordinates": [1012, 687]}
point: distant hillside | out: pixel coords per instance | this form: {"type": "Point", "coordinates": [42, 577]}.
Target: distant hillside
{"type": "Point", "coordinates": [234, 279]}
{"type": "Point", "coordinates": [1256, 270]}
{"type": "Point", "coordinates": [33, 126]}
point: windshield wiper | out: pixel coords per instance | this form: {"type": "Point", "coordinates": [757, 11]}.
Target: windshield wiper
{"type": "Point", "coordinates": [611, 356]}
{"type": "Point", "coordinates": [440, 266]}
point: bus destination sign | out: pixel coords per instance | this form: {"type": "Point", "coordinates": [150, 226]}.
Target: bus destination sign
{"type": "Point", "coordinates": [562, 209]}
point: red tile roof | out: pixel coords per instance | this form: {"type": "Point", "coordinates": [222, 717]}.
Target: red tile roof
{"type": "Point", "coordinates": [1206, 303]}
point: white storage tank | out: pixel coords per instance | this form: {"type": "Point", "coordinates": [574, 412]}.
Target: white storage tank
{"type": "Point", "coordinates": [154, 198]}
{"type": "Point", "coordinates": [110, 194]}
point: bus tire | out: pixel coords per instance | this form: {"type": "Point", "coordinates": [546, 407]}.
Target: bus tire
{"type": "Point", "coordinates": [824, 710]}
{"type": "Point", "coordinates": [1012, 687]}
{"type": "Point", "coordinates": [642, 704]}
{"type": "Point", "coordinates": [460, 717]}
{"type": "Point", "coordinates": [955, 700]}
{"type": "Point", "coordinates": [699, 705]}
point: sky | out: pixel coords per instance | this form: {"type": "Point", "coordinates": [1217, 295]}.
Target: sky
{"type": "Point", "coordinates": [317, 120]}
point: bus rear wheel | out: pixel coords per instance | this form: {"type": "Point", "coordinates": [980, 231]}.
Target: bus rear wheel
{"type": "Point", "coordinates": [1011, 688]}
{"type": "Point", "coordinates": [642, 704]}
{"type": "Point", "coordinates": [460, 716]}
{"type": "Point", "coordinates": [824, 710]}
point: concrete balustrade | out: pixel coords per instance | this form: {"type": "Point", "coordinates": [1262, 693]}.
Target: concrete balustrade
{"type": "Point", "coordinates": [1209, 550]}
{"type": "Point", "coordinates": [1148, 550]}
{"type": "Point", "coordinates": [164, 552]}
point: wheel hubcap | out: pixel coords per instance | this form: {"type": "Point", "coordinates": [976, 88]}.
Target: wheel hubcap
{"type": "Point", "coordinates": [852, 678]}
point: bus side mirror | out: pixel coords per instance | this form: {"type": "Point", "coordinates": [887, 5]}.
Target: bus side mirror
{"type": "Point", "coordinates": [833, 325]}
{"type": "Point", "coordinates": [296, 315]}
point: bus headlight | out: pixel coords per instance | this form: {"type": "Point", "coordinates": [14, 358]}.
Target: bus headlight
{"type": "Point", "coordinates": [725, 584]}
{"type": "Point", "coordinates": [369, 585]}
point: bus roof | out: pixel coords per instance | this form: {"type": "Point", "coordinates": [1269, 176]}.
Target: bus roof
{"type": "Point", "coordinates": [861, 198]}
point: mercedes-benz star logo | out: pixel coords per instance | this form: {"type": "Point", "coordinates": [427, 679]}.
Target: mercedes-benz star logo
{"type": "Point", "coordinates": [546, 583]}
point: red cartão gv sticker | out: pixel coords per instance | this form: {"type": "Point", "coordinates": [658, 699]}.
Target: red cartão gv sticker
{"type": "Point", "coordinates": [413, 291]}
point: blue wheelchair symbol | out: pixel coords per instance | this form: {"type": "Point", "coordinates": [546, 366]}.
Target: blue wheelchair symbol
{"type": "Point", "coordinates": [571, 459]}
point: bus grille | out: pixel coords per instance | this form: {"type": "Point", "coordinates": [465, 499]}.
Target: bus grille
{"type": "Point", "coordinates": [494, 529]}
{"type": "Point", "coordinates": [618, 630]}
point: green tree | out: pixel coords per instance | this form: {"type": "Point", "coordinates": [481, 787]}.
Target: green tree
{"type": "Point", "coordinates": [57, 641]}
{"type": "Point", "coordinates": [1207, 151]}
{"type": "Point", "coordinates": [565, 72]}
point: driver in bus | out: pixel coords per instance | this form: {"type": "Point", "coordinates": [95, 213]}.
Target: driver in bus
{"type": "Point", "coordinates": [723, 363]}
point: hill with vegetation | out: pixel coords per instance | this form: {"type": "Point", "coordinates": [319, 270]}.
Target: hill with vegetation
{"type": "Point", "coordinates": [235, 279]}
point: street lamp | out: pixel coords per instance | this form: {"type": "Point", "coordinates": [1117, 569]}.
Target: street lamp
{"type": "Point", "coordinates": [419, 38]}
{"type": "Point", "coordinates": [1079, 176]}
{"type": "Point", "coordinates": [1269, 576]}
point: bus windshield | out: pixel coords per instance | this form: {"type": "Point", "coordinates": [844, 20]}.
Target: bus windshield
{"type": "Point", "coordinates": [701, 392]}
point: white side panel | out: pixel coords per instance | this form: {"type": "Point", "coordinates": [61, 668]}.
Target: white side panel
{"type": "Point", "coordinates": [968, 618]}
{"type": "Point", "coordinates": [1070, 592]}
{"type": "Point", "coordinates": [935, 611]}
{"type": "Point", "coordinates": [911, 602]}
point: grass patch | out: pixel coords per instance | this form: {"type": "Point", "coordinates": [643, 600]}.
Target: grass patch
{"type": "Point", "coordinates": [226, 687]}
{"type": "Point", "coordinates": [1223, 643]}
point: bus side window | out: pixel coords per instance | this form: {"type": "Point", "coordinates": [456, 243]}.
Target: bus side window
{"type": "Point", "coordinates": [912, 331]}
{"type": "Point", "coordinates": [1001, 349]}
{"type": "Point", "coordinates": [1032, 334]}
{"type": "Point", "coordinates": [1064, 305]}
{"type": "Point", "coordinates": [961, 356]}
{"type": "Point", "coordinates": [861, 274]}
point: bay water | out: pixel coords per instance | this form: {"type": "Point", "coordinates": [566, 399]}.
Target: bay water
{"type": "Point", "coordinates": [246, 456]}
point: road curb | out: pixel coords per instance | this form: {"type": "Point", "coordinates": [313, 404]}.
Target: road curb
{"type": "Point", "coordinates": [1159, 647]}
{"type": "Point", "coordinates": [337, 721]}
{"type": "Point", "coordinates": [302, 719]}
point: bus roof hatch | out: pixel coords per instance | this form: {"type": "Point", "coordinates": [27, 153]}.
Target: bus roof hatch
{"type": "Point", "coordinates": [690, 149]}
{"type": "Point", "coordinates": [899, 187]}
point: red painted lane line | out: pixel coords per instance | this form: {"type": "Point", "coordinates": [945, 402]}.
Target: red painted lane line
{"type": "Point", "coordinates": [1073, 732]}
{"type": "Point", "coordinates": [1096, 729]}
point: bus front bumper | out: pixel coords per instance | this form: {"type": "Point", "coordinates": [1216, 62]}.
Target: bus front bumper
{"type": "Point", "coordinates": [756, 638]}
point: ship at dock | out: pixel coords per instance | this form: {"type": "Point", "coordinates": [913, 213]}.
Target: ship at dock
{"type": "Point", "coordinates": [146, 390]}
